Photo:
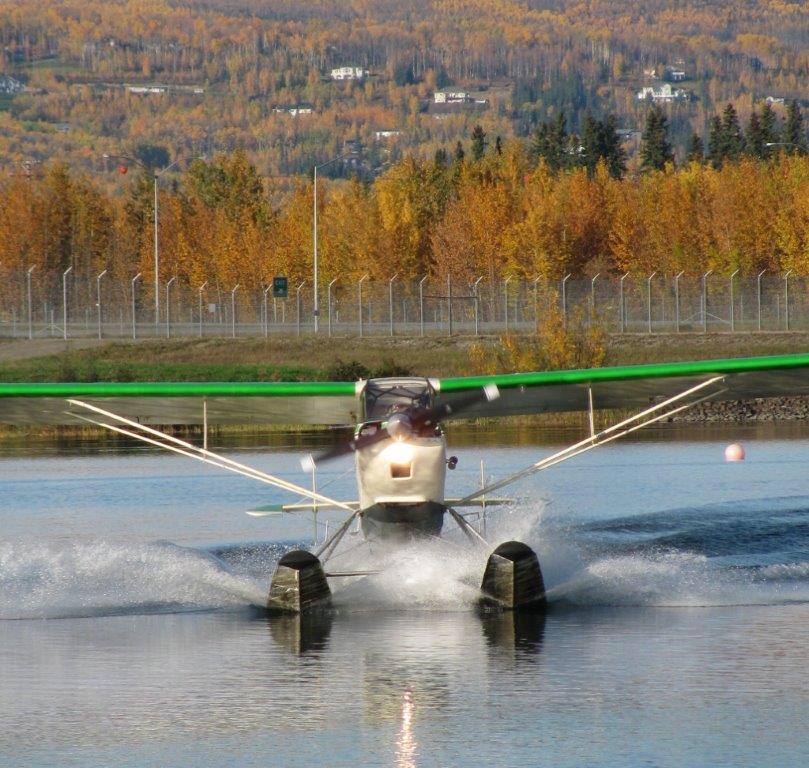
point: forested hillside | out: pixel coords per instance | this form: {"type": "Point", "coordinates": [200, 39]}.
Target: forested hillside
{"type": "Point", "coordinates": [226, 74]}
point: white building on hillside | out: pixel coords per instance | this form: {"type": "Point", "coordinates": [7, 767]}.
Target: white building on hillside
{"type": "Point", "coordinates": [663, 93]}
{"type": "Point", "coordinates": [349, 73]}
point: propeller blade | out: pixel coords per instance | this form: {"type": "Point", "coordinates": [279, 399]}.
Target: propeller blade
{"type": "Point", "coordinates": [445, 410]}
{"type": "Point", "coordinates": [355, 444]}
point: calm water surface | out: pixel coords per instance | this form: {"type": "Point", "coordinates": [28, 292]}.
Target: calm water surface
{"type": "Point", "coordinates": [677, 636]}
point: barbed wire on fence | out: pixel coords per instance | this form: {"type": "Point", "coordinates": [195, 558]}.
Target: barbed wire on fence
{"type": "Point", "coordinates": [36, 305]}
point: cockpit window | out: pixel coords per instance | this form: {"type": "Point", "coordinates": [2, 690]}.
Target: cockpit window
{"type": "Point", "coordinates": [382, 398]}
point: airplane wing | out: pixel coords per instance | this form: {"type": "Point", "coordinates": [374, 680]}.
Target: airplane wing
{"type": "Point", "coordinates": [271, 402]}
{"type": "Point", "coordinates": [628, 386]}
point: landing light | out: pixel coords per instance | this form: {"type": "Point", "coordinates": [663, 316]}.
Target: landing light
{"type": "Point", "coordinates": [399, 452]}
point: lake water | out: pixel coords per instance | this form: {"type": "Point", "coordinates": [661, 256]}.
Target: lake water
{"type": "Point", "coordinates": [677, 635]}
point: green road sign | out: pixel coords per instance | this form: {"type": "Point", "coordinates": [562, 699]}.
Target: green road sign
{"type": "Point", "coordinates": [280, 287]}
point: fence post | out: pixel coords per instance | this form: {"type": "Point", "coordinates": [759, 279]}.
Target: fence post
{"type": "Point", "coordinates": [98, 299]}
{"type": "Point", "coordinates": [449, 304]}
{"type": "Point", "coordinates": [649, 301]}
{"type": "Point", "coordinates": [535, 283]}
{"type": "Point", "coordinates": [477, 305]}
{"type": "Point", "coordinates": [328, 294]}
{"type": "Point", "coordinates": [505, 300]}
{"type": "Point", "coordinates": [564, 299]}
{"type": "Point", "coordinates": [199, 297]}
{"type": "Point", "coordinates": [359, 301]}
{"type": "Point", "coordinates": [298, 308]}
{"type": "Point", "coordinates": [30, 309]}
{"type": "Point", "coordinates": [758, 281]}
{"type": "Point", "coordinates": [732, 309]}
{"type": "Point", "coordinates": [677, 301]}
{"type": "Point", "coordinates": [64, 300]}
{"type": "Point", "coordinates": [622, 303]}
{"type": "Point", "coordinates": [233, 310]}
{"type": "Point", "coordinates": [421, 305]}
{"type": "Point", "coordinates": [390, 301]}
{"type": "Point", "coordinates": [134, 316]}
{"type": "Point", "coordinates": [168, 307]}
{"type": "Point", "coordinates": [786, 298]}
{"type": "Point", "coordinates": [705, 301]}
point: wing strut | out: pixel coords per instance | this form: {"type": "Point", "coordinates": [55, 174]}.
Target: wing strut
{"type": "Point", "coordinates": [622, 428]}
{"type": "Point", "coordinates": [174, 444]}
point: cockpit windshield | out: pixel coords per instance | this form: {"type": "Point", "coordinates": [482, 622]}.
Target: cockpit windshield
{"type": "Point", "coordinates": [384, 397]}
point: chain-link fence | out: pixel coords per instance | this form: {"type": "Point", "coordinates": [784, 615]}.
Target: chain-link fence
{"type": "Point", "coordinates": [34, 305]}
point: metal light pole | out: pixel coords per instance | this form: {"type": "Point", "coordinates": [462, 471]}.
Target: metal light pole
{"type": "Point", "coordinates": [758, 281]}
{"type": "Point", "coordinates": [156, 176]}
{"type": "Point", "coordinates": [564, 298]}
{"type": "Point", "coordinates": [705, 301]}
{"type": "Point", "coordinates": [505, 300]}
{"type": "Point", "coordinates": [328, 292]}
{"type": "Point", "coordinates": [732, 308]}
{"type": "Point", "coordinates": [316, 309]}
{"type": "Point", "coordinates": [233, 310]}
{"type": "Point", "coordinates": [649, 301]}
{"type": "Point", "coordinates": [199, 295]}
{"type": "Point", "coordinates": [64, 301]}
{"type": "Point", "coordinates": [134, 317]}
{"type": "Point", "coordinates": [98, 299]}
{"type": "Point", "coordinates": [30, 309]}
{"type": "Point", "coordinates": [359, 299]}
{"type": "Point", "coordinates": [477, 305]}
{"type": "Point", "coordinates": [622, 303]}
{"type": "Point", "coordinates": [593, 293]}
{"type": "Point", "coordinates": [786, 298]}
{"type": "Point", "coordinates": [677, 300]}
{"type": "Point", "coordinates": [421, 305]}
{"type": "Point", "coordinates": [168, 307]}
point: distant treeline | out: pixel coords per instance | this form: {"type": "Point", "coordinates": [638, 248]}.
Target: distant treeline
{"type": "Point", "coordinates": [546, 206]}
{"type": "Point", "coordinates": [236, 72]}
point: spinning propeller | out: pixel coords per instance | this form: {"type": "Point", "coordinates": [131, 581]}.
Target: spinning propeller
{"type": "Point", "coordinates": [405, 423]}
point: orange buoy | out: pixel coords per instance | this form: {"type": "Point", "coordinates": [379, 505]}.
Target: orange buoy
{"type": "Point", "coordinates": [734, 452]}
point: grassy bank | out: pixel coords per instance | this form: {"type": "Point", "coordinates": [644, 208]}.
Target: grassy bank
{"type": "Point", "coordinates": [322, 359]}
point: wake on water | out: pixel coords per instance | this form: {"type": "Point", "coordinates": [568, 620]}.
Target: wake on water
{"type": "Point", "coordinates": [726, 554]}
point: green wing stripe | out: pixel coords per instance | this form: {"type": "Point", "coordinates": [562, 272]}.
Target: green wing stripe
{"type": "Point", "coordinates": [629, 372]}
{"type": "Point", "coordinates": [182, 389]}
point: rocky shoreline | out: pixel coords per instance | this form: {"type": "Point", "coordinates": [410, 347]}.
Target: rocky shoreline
{"type": "Point", "coordinates": [761, 409]}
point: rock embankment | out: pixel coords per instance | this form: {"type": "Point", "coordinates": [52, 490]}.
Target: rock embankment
{"type": "Point", "coordinates": [762, 409]}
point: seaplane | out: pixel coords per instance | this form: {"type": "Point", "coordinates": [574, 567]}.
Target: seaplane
{"type": "Point", "coordinates": [399, 445]}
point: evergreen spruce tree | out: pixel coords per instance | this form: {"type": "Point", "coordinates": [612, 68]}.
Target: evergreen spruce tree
{"type": "Point", "coordinates": [540, 143]}
{"type": "Point", "coordinates": [769, 128]}
{"type": "Point", "coordinates": [478, 142]}
{"type": "Point", "coordinates": [754, 141]}
{"type": "Point", "coordinates": [695, 153]}
{"type": "Point", "coordinates": [794, 135]}
{"type": "Point", "coordinates": [655, 150]}
{"type": "Point", "coordinates": [498, 146]}
{"type": "Point", "coordinates": [614, 152]}
{"type": "Point", "coordinates": [550, 143]}
{"type": "Point", "coordinates": [591, 143]}
{"type": "Point", "coordinates": [600, 140]}
{"type": "Point", "coordinates": [732, 138]}
{"type": "Point", "coordinates": [716, 149]}
{"type": "Point", "coordinates": [441, 159]}
{"type": "Point", "coordinates": [459, 153]}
